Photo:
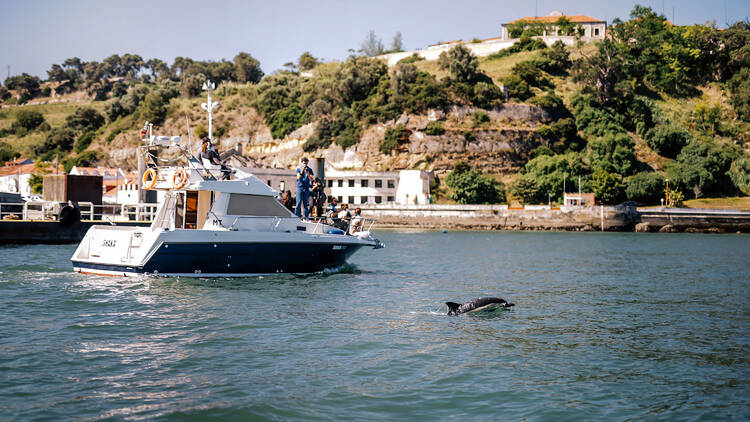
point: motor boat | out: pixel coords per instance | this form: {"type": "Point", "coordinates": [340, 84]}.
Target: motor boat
{"type": "Point", "coordinates": [206, 227]}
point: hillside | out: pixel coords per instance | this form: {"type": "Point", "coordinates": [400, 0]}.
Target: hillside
{"type": "Point", "coordinates": [620, 115]}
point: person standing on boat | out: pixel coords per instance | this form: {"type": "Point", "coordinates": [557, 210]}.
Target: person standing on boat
{"type": "Point", "coordinates": [304, 178]}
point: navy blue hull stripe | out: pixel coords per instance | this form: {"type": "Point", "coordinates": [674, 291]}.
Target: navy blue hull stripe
{"type": "Point", "coordinates": [241, 258]}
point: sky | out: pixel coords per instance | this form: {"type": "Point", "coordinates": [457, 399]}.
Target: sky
{"type": "Point", "coordinates": [34, 34]}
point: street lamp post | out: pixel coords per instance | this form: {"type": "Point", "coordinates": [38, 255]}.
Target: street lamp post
{"type": "Point", "coordinates": [667, 195]}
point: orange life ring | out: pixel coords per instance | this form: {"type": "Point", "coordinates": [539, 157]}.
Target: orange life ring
{"type": "Point", "coordinates": [180, 178]}
{"type": "Point", "coordinates": [148, 185]}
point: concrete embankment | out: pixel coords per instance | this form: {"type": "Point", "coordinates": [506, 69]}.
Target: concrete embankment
{"type": "Point", "coordinates": [596, 218]}
{"type": "Point", "coordinates": [692, 220]}
{"type": "Point", "coordinates": [502, 217]}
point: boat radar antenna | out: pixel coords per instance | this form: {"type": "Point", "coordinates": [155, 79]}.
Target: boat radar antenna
{"type": "Point", "coordinates": [209, 106]}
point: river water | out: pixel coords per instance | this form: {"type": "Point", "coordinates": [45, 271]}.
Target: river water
{"type": "Point", "coordinates": [611, 326]}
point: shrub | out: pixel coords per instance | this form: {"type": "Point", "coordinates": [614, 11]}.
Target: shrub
{"type": "Point", "coordinates": [487, 95]}
{"type": "Point", "coordinates": [549, 101]}
{"type": "Point", "coordinates": [523, 44]}
{"type": "Point", "coordinates": [645, 187]}
{"type": "Point", "coordinates": [555, 59]}
{"type": "Point", "coordinates": [84, 141]}
{"type": "Point", "coordinates": [470, 187]}
{"type": "Point", "coordinates": [739, 173]}
{"type": "Point", "coordinates": [29, 119]}
{"type": "Point", "coordinates": [85, 118]}
{"type": "Point", "coordinates": [411, 59]}
{"type": "Point", "coordinates": [703, 167]}
{"type": "Point", "coordinates": [7, 152]}
{"type": "Point", "coordinates": [87, 158]}
{"type": "Point", "coordinates": [613, 153]}
{"type": "Point", "coordinates": [479, 117]}
{"type": "Point", "coordinates": [286, 120]}
{"type": "Point", "coordinates": [517, 87]}
{"type": "Point", "coordinates": [114, 110]}
{"type": "Point", "coordinates": [201, 132]}
{"type": "Point", "coordinates": [562, 135]}
{"type": "Point", "coordinates": [462, 65]}
{"type": "Point", "coordinates": [113, 134]}
{"type": "Point", "coordinates": [739, 85]}
{"type": "Point", "coordinates": [667, 140]}
{"type": "Point", "coordinates": [547, 174]}
{"type": "Point", "coordinates": [529, 72]}
{"type": "Point", "coordinates": [595, 119]}
{"type": "Point", "coordinates": [393, 137]}
{"type": "Point", "coordinates": [434, 128]}
{"type": "Point", "coordinates": [59, 139]}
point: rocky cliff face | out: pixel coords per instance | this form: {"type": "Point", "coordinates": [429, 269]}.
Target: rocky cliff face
{"type": "Point", "coordinates": [500, 145]}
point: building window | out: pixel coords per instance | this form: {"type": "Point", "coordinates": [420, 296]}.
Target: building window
{"type": "Point", "coordinates": [330, 183]}
{"type": "Point", "coordinates": [351, 183]}
{"type": "Point", "coordinates": [281, 186]}
{"type": "Point", "coordinates": [363, 200]}
{"type": "Point", "coordinates": [340, 198]}
{"type": "Point", "coordinates": [364, 183]}
{"type": "Point", "coordinates": [596, 32]}
{"type": "Point", "coordinates": [391, 199]}
{"type": "Point", "coordinates": [378, 199]}
{"type": "Point", "coordinates": [341, 183]}
{"type": "Point", "coordinates": [268, 183]}
{"type": "Point", "coordinates": [391, 184]}
{"type": "Point", "coordinates": [378, 183]}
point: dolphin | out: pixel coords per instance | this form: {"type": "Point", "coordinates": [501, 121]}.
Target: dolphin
{"type": "Point", "coordinates": [479, 304]}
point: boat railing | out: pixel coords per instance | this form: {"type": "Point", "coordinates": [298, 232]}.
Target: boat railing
{"type": "Point", "coordinates": [50, 210]}
{"type": "Point", "coordinates": [118, 212]}
{"type": "Point", "coordinates": [345, 226]}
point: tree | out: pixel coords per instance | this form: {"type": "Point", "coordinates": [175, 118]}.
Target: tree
{"type": "Point", "coordinates": [645, 187]}
{"type": "Point", "coordinates": [702, 167]}
{"type": "Point", "coordinates": [470, 187]}
{"type": "Point", "coordinates": [613, 153]}
{"type": "Point", "coordinates": [307, 62]}
{"type": "Point", "coordinates": [548, 174]}
{"type": "Point", "coordinates": [59, 139]}
{"type": "Point", "coordinates": [159, 69]}
{"type": "Point", "coordinates": [607, 187]}
{"type": "Point", "coordinates": [667, 140]}
{"type": "Point", "coordinates": [556, 58]}
{"type": "Point", "coordinates": [154, 108]}
{"type": "Point", "coordinates": [7, 152]}
{"type": "Point", "coordinates": [29, 119]}
{"type": "Point", "coordinates": [739, 85]}
{"type": "Point", "coordinates": [372, 45]}
{"type": "Point", "coordinates": [85, 119]}
{"type": "Point", "coordinates": [739, 173]}
{"type": "Point", "coordinates": [397, 44]}
{"type": "Point", "coordinates": [25, 84]}
{"type": "Point", "coordinates": [461, 64]}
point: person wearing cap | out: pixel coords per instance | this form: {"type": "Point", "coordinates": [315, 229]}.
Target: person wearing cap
{"type": "Point", "coordinates": [304, 178]}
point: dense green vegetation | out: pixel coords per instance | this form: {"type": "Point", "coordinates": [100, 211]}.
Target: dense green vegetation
{"type": "Point", "coordinates": [652, 101]}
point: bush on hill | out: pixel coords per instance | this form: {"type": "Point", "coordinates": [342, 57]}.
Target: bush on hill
{"type": "Point", "coordinates": [667, 140]}
{"type": "Point", "coordinates": [470, 187]}
{"type": "Point", "coordinates": [645, 187]}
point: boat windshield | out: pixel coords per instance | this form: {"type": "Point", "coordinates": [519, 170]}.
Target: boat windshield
{"type": "Point", "coordinates": [257, 205]}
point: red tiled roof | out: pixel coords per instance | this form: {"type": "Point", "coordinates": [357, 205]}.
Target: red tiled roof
{"type": "Point", "coordinates": [553, 19]}
{"type": "Point", "coordinates": [17, 169]}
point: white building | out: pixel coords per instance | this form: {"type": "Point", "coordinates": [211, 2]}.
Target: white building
{"type": "Point", "coordinates": [593, 29]}
{"type": "Point", "coordinates": [14, 178]}
{"type": "Point", "coordinates": [377, 187]}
